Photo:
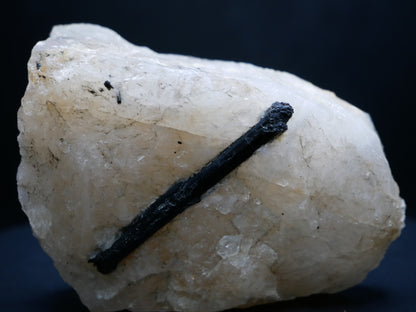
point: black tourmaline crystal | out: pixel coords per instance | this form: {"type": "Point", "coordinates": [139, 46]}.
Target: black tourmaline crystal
{"type": "Point", "coordinates": [187, 192]}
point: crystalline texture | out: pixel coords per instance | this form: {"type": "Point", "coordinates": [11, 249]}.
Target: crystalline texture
{"type": "Point", "coordinates": [106, 127]}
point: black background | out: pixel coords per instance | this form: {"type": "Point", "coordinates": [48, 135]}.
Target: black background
{"type": "Point", "coordinates": [364, 51]}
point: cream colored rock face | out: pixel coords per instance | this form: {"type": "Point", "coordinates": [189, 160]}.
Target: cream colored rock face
{"type": "Point", "coordinates": [313, 211]}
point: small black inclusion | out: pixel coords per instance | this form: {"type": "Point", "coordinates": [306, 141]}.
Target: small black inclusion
{"type": "Point", "coordinates": [118, 98]}
{"type": "Point", "coordinates": [108, 85]}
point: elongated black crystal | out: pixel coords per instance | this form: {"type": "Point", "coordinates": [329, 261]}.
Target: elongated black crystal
{"type": "Point", "coordinates": [185, 193]}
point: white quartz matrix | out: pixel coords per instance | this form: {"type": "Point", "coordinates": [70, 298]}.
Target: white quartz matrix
{"type": "Point", "coordinates": [106, 127]}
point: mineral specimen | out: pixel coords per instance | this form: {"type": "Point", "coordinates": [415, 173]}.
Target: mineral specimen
{"type": "Point", "coordinates": [106, 127]}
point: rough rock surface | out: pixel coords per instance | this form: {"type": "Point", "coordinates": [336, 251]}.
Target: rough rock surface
{"type": "Point", "coordinates": [106, 127]}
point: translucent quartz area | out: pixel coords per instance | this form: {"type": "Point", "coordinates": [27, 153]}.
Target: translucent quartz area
{"type": "Point", "coordinates": [106, 127]}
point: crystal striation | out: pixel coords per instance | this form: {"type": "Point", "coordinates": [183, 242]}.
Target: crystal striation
{"type": "Point", "coordinates": [106, 127]}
